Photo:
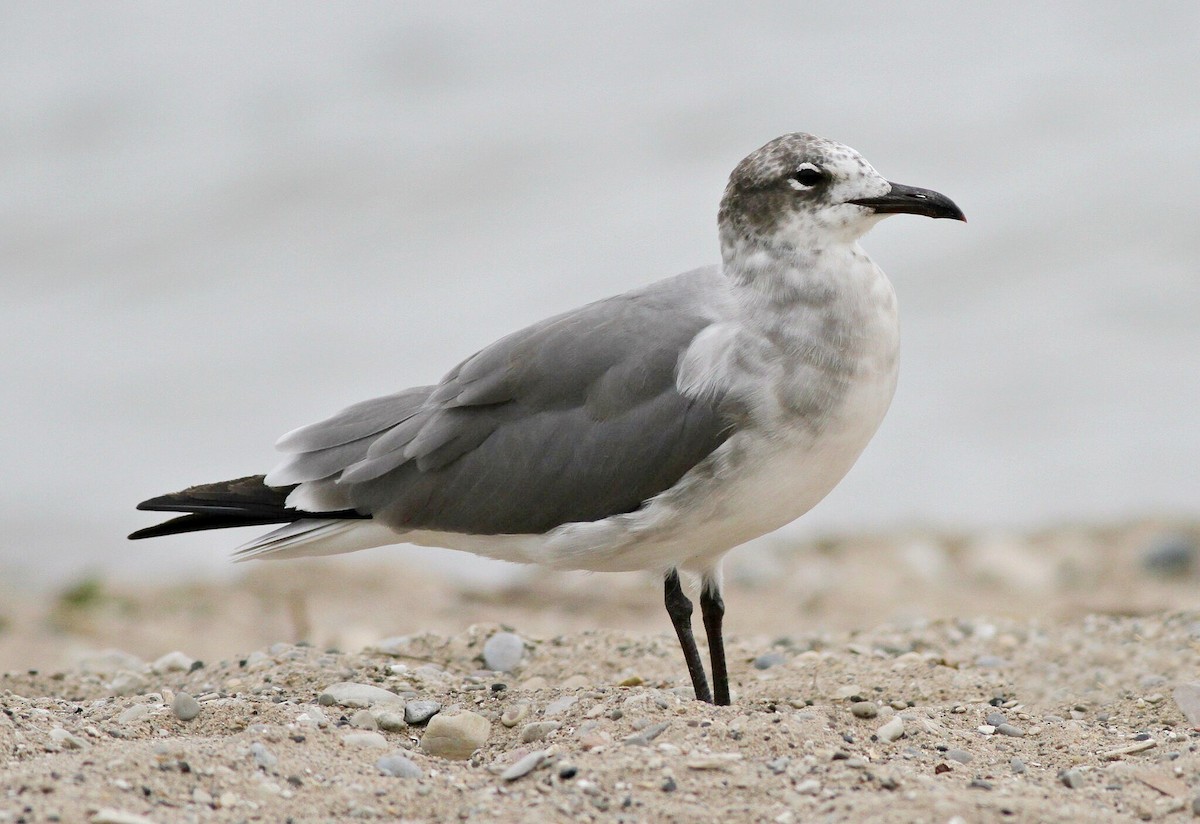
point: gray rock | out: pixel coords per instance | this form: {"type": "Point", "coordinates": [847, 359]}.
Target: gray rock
{"type": "Point", "coordinates": [456, 736]}
{"type": "Point", "coordinates": [892, 730]}
{"type": "Point", "coordinates": [398, 765]}
{"type": "Point", "coordinates": [503, 652]}
{"type": "Point", "coordinates": [185, 707]}
{"type": "Point", "coordinates": [1011, 729]}
{"type": "Point", "coordinates": [995, 719]}
{"type": "Point", "coordinates": [356, 696]}
{"type": "Point", "coordinates": [418, 712]}
{"type": "Point", "coordinates": [525, 766]}
{"type": "Point", "coordinates": [514, 714]}
{"type": "Point", "coordinates": [537, 731]}
{"type": "Point", "coordinates": [864, 709]}
{"type": "Point", "coordinates": [769, 659]}
{"type": "Point", "coordinates": [1018, 766]}
{"type": "Point", "coordinates": [262, 756]}
{"type": "Point", "coordinates": [643, 738]}
{"type": "Point", "coordinates": [1170, 556]}
{"type": "Point", "coordinates": [389, 718]}
{"type": "Point", "coordinates": [1071, 778]}
{"type": "Point", "coordinates": [128, 683]}
{"type": "Point", "coordinates": [961, 756]}
{"type": "Point", "coordinates": [1187, 698]}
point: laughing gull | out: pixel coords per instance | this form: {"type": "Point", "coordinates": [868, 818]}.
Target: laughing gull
{"type": "Point", "coordinates": [655, 430]}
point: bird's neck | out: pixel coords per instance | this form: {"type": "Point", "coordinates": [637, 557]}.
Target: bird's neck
{"type": "Point", "coordinates": [765, 270]}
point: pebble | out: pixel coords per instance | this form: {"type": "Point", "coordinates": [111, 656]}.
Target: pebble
{"type": "Point", "coordinates": [986, 729]}
{"type": "Point", "coordinates": [372, 740]}
{"type": "Point", "coordinates": [503, 652]}
{"type": "Point", "coordinates": [560, 705]}
{"type": "Point", "coordinates": [809, 786]}
{"type": "Point", "coordinates": [713, 761]}
{"type": "Point", "coordinates": [1187, 698]}
{"type": "Point", "coordinates": [354, 696]}
{"type": "Point", "coordinates": [418, 712]}
{"type": "Point", "coordinates": [388, 718]}
{"type": "Point", "coordinates": [864, 709]}
{"type": "Point", "coordinates": [1018, 766]}
{"type": "Point", "coordinates": [133, 714]}
{"type": "Point", "coordinates": [456, 736]}
{"type": "Point", "coordinates": [128, 683]}
{"type": "Point", "coordinates": [646, 735]}
{"type": "Point", "coordinates": [537, 731]}
{"type": "Point", "coordinates": [398, 765]}
{"type": "Point", "coordinates": [67, 740]}
{"type": "Point", "coordinates": [525, 766]}
{"type": "Point", "coordinates": [1072, 778]}
{"type": "Point", "coordinates": [312, 716]}
{"type": "Point", "coordinates": [363, 720]}
{"type": "Point", "coordinates": [514, 714]}
{"type": "Point", "coordinates": [1011, 730]}
{"type": "Point", "coordinates": [995, 719]}
{"type": "Point", "coordinates": [768, 660]}
{"type": "Point", "coordinates": [1170, 556]}
{"type": "Point", "coordinates": [172, 662]}
{"type": "Point", "coordinates": [961, 756]}
{"type": "Point", "coordinates": [262, 756]}
{"type": "Point", "coordinates": [185, 707]}
{"type": "Point", "coordinates": [108, 815]}
{"type": "Point", "coordinates": [892, 730]}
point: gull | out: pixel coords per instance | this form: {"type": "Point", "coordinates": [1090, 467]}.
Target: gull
{"type": "Point", "coordinates": [654, 430]}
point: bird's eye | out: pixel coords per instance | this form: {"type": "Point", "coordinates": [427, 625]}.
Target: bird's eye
{"type": "Point", "coordinates": [808, 176]}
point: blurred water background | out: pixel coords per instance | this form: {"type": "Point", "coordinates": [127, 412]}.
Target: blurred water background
{"type": "Point", "coordinates": [219, 221]}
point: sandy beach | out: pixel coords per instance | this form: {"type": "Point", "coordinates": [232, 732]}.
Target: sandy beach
{"type": "Point", "coordinates": [907, 677]}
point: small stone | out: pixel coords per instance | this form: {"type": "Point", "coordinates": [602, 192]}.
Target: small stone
{"type": "Point", "coordinates": [398, 765]}
{"type": "Point", "coordinates": [631, 681]}
{"type": "Point", "coordinates": [560, 705]}
{"type": "Point", "coordinates": [355, 696]}
{"type": "Point", "coordinates": [525, 766]}
{"type": "Point", "coordinates": [172, 662]}
{"type": "Point", "coordinates": [312, 716]}
{"type": "Point", "coordinates": [133, 714]}
{"type": "Point", "coordinates": [202, 796]}
{"type": "Point", "coordinates": [768, 660]}
{"type": "Point", "coordinates": [864, 709]}
{"type": "Point", "coordinates": [986, 729]}
{"type": "Point", "coordinates": [371, 740]}
{"type": "Point", "coordinates": [669, 785]}
{"type": "Point", "coordinates": [1170, 556]}
{"type": "Point", "coordinates": [456, 736]}
{"type": "Point", "coordinates": [418, 712]}
{"type": "Point", "coordinates": [67, 740]}
{"type": "Point", "coordinates": [262, 756]}
{"type": "Point", "coordinates": [1196, 806]}
{"type": "Point", "coordinates": [995, 719]}
{"type": "Point", "coordinates": [389, 718]}
{"type": "Point", "coordinates": [809, 786]}
{"type": "Point", "coordinates": [979, 784]}
{"type": "Point", "coordinates": [647, 734]}
{"type": "Point", "coordinates": [713, 761]}
{"type": "Point", "coordinates": [128, 683]}
{"type": "Point", "coordinates": [892, 730]}
{"type": "Point", "coordinates": [537, 731]}
{"type": "Point", "coordinates": [961, 756]}
{"type": "Point", "coordinates": [1071, 778]}
{"type": "Point", "coordinates": [1017, 765]}
{"type": "Point", "coordinates": [503, 652]}
{"type": "Point", "coordinates": [514, 714]}
{"type": "Point", "coordinates": [1011, 730]}
{"type": "Point", "coordinates": [779, 765]}
{"type": "Point", "coordinates": [185, 707]}
{"type": "Point", "coordinates": [364, 720]}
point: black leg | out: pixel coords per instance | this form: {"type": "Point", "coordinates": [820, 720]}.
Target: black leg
{"type": "Point", "coordinates": [712, 607]}
{"type": "Point", "coordinates": [680, 610]}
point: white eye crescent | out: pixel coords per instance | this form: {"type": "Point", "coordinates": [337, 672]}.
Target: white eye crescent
{"type": "Point", "coordinates": [807, 176]}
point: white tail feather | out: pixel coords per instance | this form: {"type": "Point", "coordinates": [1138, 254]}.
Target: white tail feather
{"type": "Point", "coordinates": [313, 537]}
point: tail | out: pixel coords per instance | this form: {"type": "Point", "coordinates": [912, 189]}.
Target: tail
{"type": "Point", "coordinates": [241, 502]}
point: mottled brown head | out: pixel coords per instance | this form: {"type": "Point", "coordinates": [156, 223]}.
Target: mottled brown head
{"type": "Point", "coordinates": [800, 190]}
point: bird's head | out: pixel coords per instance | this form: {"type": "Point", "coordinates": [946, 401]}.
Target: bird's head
{"type": "Point", "coordinates": [802, 191]}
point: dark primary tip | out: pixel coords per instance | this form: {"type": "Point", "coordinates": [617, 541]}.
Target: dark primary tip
{"type": "Point", "coordinates": [912, 200]}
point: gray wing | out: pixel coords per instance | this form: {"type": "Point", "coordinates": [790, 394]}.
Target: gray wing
{"type": "Point", "coordinates": [574, 419]}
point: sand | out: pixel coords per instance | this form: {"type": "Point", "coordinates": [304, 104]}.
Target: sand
{"type": "Point", "coordinates": [915, 676]}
